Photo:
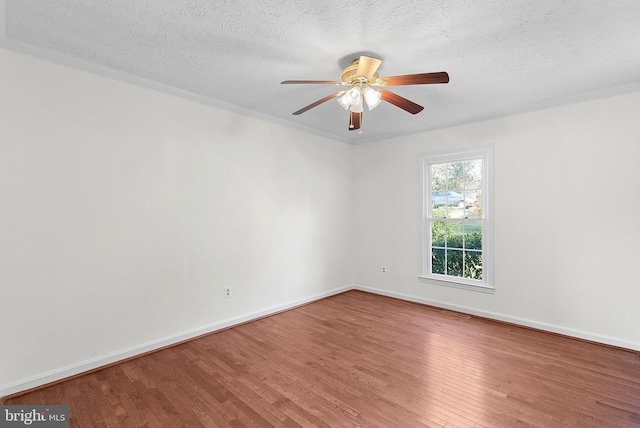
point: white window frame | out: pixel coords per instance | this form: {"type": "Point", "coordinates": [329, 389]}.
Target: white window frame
{"type": "Point", "coordinates": [457, 155]}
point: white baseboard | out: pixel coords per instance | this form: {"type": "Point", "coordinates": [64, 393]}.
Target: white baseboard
{"type": "Point", "coordinates": [85, 366]}
{"type": "Point", "coordinates": [75, 369]}
{"type": "Point", "coordinates": [506, 318]}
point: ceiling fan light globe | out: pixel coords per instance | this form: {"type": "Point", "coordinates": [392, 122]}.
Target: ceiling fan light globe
{"type": "Point", "coordinates": [372, 97]}
{"type": "Point", "coordinates": [372, 106]}
{"type": "Point", "coordinates": [357, 106]}
{"type": "Point", "coordinates": [345, 101]}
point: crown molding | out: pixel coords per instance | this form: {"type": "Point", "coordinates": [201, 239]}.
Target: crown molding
{"type": "Point", "coordinates": [103, 71]}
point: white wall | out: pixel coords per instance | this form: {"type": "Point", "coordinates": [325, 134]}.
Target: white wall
{"type": "Point", "coordinates": [567, 218]}
{"type": "Point", "coordinates": [124, 212]}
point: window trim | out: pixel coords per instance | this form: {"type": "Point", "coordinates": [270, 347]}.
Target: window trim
{"type": "Point", "coordinates": [485, 153]}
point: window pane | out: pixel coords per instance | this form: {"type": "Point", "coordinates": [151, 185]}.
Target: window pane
{"type": "Point", "coordinates": [455, 175]}
{"type": "Point", "coordinates": [437, 260]}
{"type": "Point", "coordinates": [473, 204]}
{"type": "Point", "coordinates": [473, 188]}
{"type": "Point", "coordinates": [455, 203]}
{"type": "Point", "coordinates": [454, 235]}
{"type": "Point", "coordinates": [454, 262]}
{"type": "Point", "coordinates": [439, 212]}
{"type": "Point", "coordinates": [455, 212]}
{"type": "Point", "coordinates": [439, 177]}
{"type": "Point", "coordinates": [473, 174]}
{"type": "Point", "coordinates": [473, 235]}
{"type": "Point", "coordinates": [437, 234]}
{"type": "Point", "coordinates": [473, 264]}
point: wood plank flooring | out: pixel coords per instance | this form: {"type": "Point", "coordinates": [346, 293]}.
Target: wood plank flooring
{"type": "Point", "coordinates": [362, 360]}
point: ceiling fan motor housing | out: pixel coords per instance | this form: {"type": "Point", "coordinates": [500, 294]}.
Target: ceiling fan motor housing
{"type": "Point", "coordinates": [350, 78]}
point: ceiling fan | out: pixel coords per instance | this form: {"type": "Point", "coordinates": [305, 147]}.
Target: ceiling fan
{"type": "Point", "coordinates": [363, 85]}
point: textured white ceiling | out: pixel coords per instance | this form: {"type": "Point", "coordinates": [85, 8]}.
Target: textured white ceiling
{"type": "Point", "coordinates": [503, 57]}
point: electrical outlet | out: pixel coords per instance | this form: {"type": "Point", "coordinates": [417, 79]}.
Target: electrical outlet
{"type": "Point", "coordinates": [384, 269]}
{"type": "Point", "coordinates": [227, 292]}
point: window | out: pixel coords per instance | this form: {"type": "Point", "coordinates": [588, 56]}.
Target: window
{"type": "Point", "coordinates": [456, 218]}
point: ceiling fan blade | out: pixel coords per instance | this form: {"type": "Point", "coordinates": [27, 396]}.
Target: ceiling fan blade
{"type": "Point", "coordinates": [401, 102]}
{"type": "Point", "coordinates": [355, 120]}
{"type": "Point", "coordinates": [317, 103]}
{"type": "Point", "coordinates": [418, 79]}
{"type": "Point", "coordinates": [321, 82]}
{"type": "Point", "coordinates": [367, 66]}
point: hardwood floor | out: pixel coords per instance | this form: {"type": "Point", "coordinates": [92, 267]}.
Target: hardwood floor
{"type": "Point", "coordinates": [362, 360]}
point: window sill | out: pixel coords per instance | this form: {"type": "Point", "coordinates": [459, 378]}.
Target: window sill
{"type": "Point", "coordinates": [458, 284]}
